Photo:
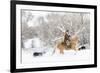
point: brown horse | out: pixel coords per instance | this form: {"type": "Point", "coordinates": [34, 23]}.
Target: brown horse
{"type": "Point", "coordinates": [67, 44]}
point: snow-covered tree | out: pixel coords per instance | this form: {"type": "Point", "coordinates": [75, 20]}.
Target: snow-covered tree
{"type": "Point", "coordinates": [49, 25]}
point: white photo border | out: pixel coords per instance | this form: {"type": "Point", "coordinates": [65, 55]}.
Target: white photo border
{"type": "Point", "coordinates": [42, 6]}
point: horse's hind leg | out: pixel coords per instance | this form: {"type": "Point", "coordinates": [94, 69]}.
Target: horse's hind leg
{"type": "Point", "coordinates": [61, 48]}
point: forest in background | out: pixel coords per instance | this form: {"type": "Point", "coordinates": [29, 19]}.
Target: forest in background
{"type": "Point", "coordinates": [43, 25]}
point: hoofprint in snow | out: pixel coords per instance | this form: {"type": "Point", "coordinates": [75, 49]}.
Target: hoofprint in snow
{"type": "Point", "coordinates": [69, 55]}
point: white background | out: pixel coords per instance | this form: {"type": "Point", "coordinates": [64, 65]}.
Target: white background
{"type": "Point", "coordinates": [5, 36]}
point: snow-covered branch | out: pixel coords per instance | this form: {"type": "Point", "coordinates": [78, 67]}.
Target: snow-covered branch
{"type": "Point", "coordinates": [57, 38]}
{"type": "Point", "coordinates": [61, 29]}
{"type": "Point", "coordinates": [80, 30]}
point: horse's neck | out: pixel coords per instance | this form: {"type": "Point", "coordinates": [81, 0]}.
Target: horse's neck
{"type": "Point", "coordinates": [74, 37]}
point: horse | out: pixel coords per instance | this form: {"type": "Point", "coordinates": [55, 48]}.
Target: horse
{"type": "Point", "coordinates": [67, 43]}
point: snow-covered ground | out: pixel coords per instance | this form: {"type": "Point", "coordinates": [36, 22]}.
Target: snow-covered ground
{"type": "Point", "coordinates": [69, 55]}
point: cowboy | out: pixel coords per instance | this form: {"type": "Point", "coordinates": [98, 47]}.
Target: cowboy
{"type": "Point", "coordinates": [68, 37]}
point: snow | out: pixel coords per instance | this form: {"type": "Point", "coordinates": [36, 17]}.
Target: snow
{"type": "Point", "coordinates": [27, 43]}
{"type": "Point", "coordinates": [48, 56]}
{"type": "Point", "coordinates": [69, 55]}
{"type": "Point", "coordinates": [35, 42]}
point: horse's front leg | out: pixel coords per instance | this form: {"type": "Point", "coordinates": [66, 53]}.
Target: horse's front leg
{"type": "Point", "coordinates": [73, 46]}
{"type": "Point", "coordinates": [61, 51]}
